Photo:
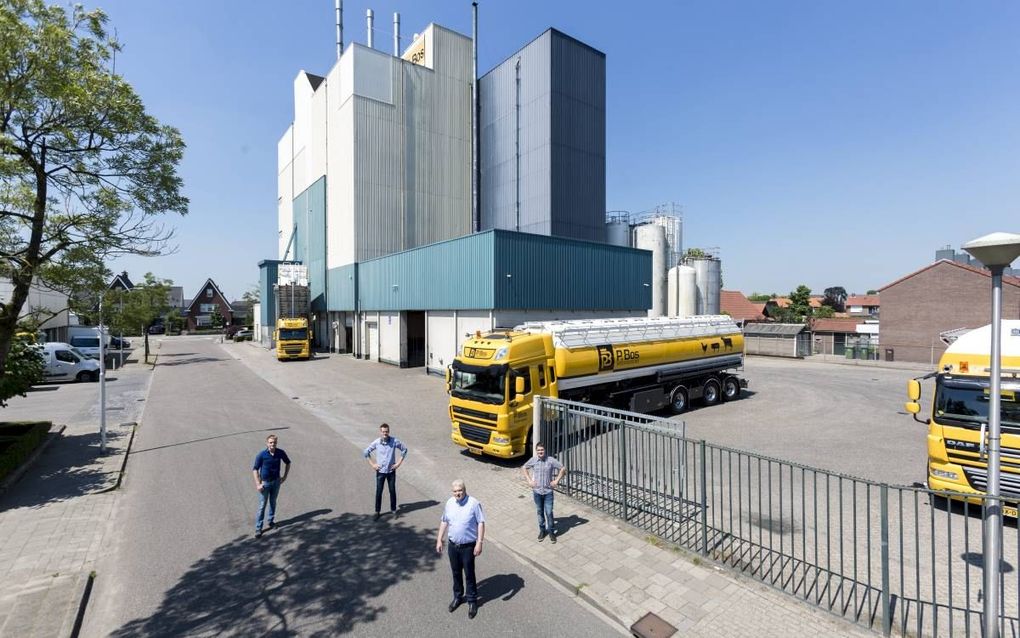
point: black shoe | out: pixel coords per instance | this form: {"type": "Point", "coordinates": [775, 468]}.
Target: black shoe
{"type": "Point", "coordinates": [271, 525]}
{"type": "Point", "coordinates": [376, 517]}
{"type": "Point", "coordinates": [552, 538]}
{"type": "Point", "coordinates": [454, 604]}
{"type": "Point", "coordinates": [258, 533]}
{"type": "Point", "coordinates": [395, 513]}
{"type": "Point", "coordinates": [472, 610]}
{"type": "Point", "coordinates": [541, 536]}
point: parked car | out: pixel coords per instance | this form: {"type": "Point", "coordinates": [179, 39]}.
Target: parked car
{"type": "Point", "coordinates": [62, 362]}
{"type": "Point", "coordinates": [231, 331]}
{"type": "Point", "coordinates": [157, 329]}
{"type": "Point", "coordinates": [116, 343]}
{"type": "Point", "coordinates": [245, 334]}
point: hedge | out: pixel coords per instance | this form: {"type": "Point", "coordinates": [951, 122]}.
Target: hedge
{"type": "Point", "coordinates": [17, 442]}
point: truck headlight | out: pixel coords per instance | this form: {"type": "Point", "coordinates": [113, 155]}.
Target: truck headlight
{"type": "Point", "coordinates": [946, 474]}
{"type": "Point", "coordinates": [501, 440]}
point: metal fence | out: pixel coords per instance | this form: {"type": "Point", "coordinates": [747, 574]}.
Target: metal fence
{"type": "Point", "coordinates": [897, 559]}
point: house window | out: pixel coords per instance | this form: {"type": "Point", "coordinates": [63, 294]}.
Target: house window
{"type": "Point", "coordinates": [207, 307]}
{"type": "Point", "coordinates": [208, 293]}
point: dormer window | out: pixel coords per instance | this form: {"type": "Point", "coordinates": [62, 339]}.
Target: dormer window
{"type": "Point", "coordinates": [208, 293]}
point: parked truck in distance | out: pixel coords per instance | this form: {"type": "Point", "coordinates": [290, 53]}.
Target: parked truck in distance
{"type": "Point", "coordinates": [293, 338]}
{"type": "Point", "coordinates": [958, 425]}
{"type": "Point", "coordinates": [637, 364]}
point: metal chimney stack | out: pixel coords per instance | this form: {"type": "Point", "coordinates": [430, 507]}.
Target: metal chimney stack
{"type": "Point", "coordinates": [396, 35]}
{"type": "Point", "coordinates": [368, 18]}
{"type": "Point", "coordinates": [339, 28]}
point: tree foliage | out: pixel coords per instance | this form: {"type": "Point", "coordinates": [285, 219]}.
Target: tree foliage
{"type": "Point", "coordinates": [24, 369]}
{"type": "Point", "coordinates": [759, 297]}
{"type": "Point", "coordinates": [800, 302]}
{"type": "Point", "coordinates": [835, 298]}
{"type": "Point", "coordinates": [824, 312]}
{"type": "Point", "coordinates": [85, 171]}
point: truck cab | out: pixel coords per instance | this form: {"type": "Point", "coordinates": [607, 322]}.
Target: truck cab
{"type": "Point", "coordinates": [492, 384]}
{"type": "Point", "coordinates": [293, 338]}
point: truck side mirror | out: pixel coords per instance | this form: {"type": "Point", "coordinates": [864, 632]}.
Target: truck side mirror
{"type": "Point", "coordinates": [519, 385]}
{"type": "Point", "coordinates": [913, 390]}
{"type": "Point", "coordinates": [912, 407]}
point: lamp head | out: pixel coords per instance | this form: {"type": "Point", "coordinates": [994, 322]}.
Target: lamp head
{"type": "Point", "coordinates": [995, 249]}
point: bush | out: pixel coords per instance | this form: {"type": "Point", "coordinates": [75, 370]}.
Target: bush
{"type": "Point", "coordinates": [18, 441]}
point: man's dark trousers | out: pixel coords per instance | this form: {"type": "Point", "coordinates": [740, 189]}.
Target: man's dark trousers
{"type": "Point", "coordinates": [391, 478]}
{"type": "Point", "coordinates": [462, 563]}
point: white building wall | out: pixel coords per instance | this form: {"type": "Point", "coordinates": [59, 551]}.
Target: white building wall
{"type": "Point", "coordinates": [340, 180]}
{"type": "Point", "coordinates": [285, 189]}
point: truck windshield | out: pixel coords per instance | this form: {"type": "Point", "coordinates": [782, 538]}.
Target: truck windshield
{"type": "Point", "coordinates": [965, 403]}
{"type": "Point", "coordinates": [293, 334]}
{"type": "Point", "coordinates": [479, 383]}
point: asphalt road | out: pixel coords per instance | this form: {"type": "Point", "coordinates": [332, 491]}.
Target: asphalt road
{"type": "Point", "coordinates": [185, 562]}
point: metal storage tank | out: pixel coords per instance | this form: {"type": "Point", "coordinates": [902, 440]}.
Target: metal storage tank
{"type": "Point", "coordinates": [708, 273]}
{"type": "Point", "coordinates": [652, 237]}
{"type": "Point", "coordinates": [683, 292]}
{"type": "Point", "coordinates": [618, 233]}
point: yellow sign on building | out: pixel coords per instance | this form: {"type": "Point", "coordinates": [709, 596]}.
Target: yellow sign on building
{"type": "Point", "coordinates": [415, 54]}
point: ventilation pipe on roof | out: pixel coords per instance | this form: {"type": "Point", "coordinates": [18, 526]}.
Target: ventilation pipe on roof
{"type": "Point", "coordinates": [368, 18]}
{"type": "Point", "coordinates": [476, 208]}
{"type": "Point", "coordinates": [339, 28]}
{"type": "Point", "coordinates": [396, 35]}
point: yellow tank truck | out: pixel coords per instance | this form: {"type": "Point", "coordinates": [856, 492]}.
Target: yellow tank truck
{"type": "Point", "coordinates": [636, 364]}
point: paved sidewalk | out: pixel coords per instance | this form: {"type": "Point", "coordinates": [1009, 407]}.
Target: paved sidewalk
{"type": "Point", "coordinates": [617, 568]}
{"type": "Point", "coordinates": [54, 519]}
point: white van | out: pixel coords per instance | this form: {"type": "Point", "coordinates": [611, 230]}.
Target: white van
{"type": "Point", "coordinates": [62, 362]}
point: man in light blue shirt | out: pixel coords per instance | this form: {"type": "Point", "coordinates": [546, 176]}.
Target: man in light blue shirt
{"type": "Point", "coordinates": [385, 466]}
{"type": "Point", "coordinates": [465, 521]}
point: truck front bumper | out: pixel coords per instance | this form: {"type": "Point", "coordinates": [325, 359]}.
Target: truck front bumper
{"type": "Point", "coordinates": [497, 446]}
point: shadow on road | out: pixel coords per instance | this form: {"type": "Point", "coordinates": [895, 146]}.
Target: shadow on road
{"type": "Point", "coordinates": [315, 576]}
{"type": "Point", "coordinates": [209, 438]}
{"type": "Point", "coordinates": [184, 362]}
{"type": "Point", "coordinates": [70, 467]}
{"type": "Point", "coordinates": [417, 505]}
{"type": "Point", "coordinates": [502, 586]}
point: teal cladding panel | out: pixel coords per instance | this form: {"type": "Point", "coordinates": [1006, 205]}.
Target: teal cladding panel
{"type": "Point", "coordinates": [541, 272]}
{"type": "Point", "coordinates": [341, 288]}
{"type": "Point", "coordinates": [450, 275]}
{"type": "Point", "coordinates": [310, 239]}
{"type": "Point", "coordinates": [268, 272]}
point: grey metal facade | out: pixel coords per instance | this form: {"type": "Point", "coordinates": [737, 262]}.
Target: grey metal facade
{"type": "Point", "coordinates": [498, 270]}
{"type": "Point", "coordinates": [543, 140]}
{"type": "Point", "coordinates": [310, 239]}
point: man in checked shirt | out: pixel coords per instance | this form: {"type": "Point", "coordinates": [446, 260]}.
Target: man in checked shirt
{"type": "Point", "coordinates": [544, 474]}
{"type": "Point", "coordinates": [385, 466]}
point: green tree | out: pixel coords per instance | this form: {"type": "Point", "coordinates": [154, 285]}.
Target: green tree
{"type": "Point", "coordinates": [871, 292]}
{"type": "Point", "coordinates": [759, 297]}
{"type": "Point", "coordinates": [133, 311]}
{"type": "Point", "coordinates": [251, 297]}
{"type": "Point", "coordinates": [85, 171]}
{"type": "Point", "coordinates": [174, 321]}
{"type": "Point", "coordinates": [24, 368]}
{"type": "Point", "coordinates": [800, 302]}
{"type": "Point", "coordinates": [824, 312]}
{"type": "Point", "coordinates": [835, 298]}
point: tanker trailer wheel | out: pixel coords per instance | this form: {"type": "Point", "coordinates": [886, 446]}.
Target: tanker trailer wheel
{"type": "Point", "coordinates": [712, 392]}
{"type": "Point", "coordinates": [730, 389]}
{"type": "Point", "coordinates": [678, 400]}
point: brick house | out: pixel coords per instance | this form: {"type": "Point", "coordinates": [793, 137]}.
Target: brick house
{"type": "Point", "coordinates": [946, 295]}
{"type": "Point", "coordinates": [739, 307]}
{"type": "Point", "coordinates": [863, 306]}
{"type": "Point", "coordinates": [207, 302]}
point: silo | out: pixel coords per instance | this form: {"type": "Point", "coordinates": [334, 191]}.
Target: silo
{"type": "Point", "coordinates": [618, 233]}
{"type": "Point", "coordinates": [708, 274]}
{"type": "Point", "coordinates": [652, 237]}
{"type": "Point", "coordinates": [683, 291]}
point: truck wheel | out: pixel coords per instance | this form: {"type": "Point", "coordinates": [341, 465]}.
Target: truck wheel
{"type": "Point", "coordinates": [678, 400]}
{"type": "Point", "coordinates": [711, 393]}
{"type": "Point", "coordinates": [730, 389]}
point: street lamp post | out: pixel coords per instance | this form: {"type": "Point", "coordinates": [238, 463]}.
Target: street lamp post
{"type": "Point", "coordinates": [995, 251]}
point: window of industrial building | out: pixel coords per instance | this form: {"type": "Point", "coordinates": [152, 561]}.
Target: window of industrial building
{"type": "Point", "coordinates": [525, 373]}
{"type": "Point", "coordinates": [541, 375]}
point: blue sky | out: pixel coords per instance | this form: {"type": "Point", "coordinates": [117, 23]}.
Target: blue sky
{"type": "Point", "coordinates": [818, 142]}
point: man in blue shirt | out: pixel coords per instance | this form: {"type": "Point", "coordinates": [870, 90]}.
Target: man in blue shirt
{"type": "Point", "coordinates": [544, 473]}
{"type": "Point", "coordinates": [266, 471]}
{"type": "Point", "coordinates": [464, 519]}
{"type": "Point", "coordinates": [385, 466]}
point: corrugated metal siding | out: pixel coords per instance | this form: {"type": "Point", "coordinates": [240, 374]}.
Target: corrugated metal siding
{"type": "Point", "coordinates": [578, 113]}
{"type": "Point", "coordinates": [310, 238]}
{"type": "Point", "coordinates": [268, 271]}
{"type": "Point", "coordinates": [341, 288]}
{"type": "Point", "coordinates": [451, 275]}
{"type": "Point", "coordinates": [498, 99]}
{"type": "Point", "coordinates": [556, 273]}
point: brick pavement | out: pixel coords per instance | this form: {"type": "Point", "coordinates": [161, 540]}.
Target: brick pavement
{"type": "Point", "coordinates": [54, 519]}
{"type": "Point", "coordinates": [620, 570]}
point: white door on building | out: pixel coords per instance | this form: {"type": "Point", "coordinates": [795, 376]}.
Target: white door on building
{"type": "Point", "coordinates": [372, 338]}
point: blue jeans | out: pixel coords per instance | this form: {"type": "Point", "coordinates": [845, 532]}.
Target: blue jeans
{"type": "Point", "coordinates": [270, 489]}
{"type": "Point", "coordinates": [389, 478]}
{"type": "Point", "coordinates": [544, 509]}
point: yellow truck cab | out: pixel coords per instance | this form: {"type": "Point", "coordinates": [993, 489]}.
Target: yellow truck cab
{"type": "Point", "coordinates": [957, 427]}
{"type": "Point", "coordinates": [293, 338]}
{"type": "Point", "coordinates": [636, 363]}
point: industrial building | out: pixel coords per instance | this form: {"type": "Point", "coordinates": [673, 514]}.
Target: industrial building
{"type": "Point", "coordinates": [377, 198]}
